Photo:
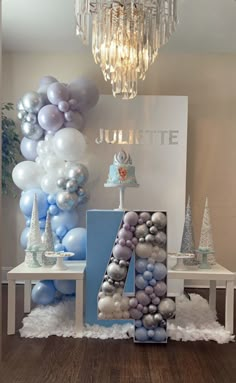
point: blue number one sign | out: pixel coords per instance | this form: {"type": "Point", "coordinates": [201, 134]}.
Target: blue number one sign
{"type": "Point", "coordinates": [143, 234]}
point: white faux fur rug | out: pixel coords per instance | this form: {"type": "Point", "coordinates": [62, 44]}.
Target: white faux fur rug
{"type": "Point", "coordinates": [194, 321]}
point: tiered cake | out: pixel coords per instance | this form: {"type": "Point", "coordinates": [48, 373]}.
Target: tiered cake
{"type": "Point", "coordinates": [121, 172]}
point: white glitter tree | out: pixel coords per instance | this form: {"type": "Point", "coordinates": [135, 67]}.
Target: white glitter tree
{"type": "Point", "coordinates": [34, 244]}
{"type": "Point", "coordinates": [48, 242]}
{"type": "Point", "coordinates": [206, 239]}
{"type": "Point", "coordinates": [187, 244]}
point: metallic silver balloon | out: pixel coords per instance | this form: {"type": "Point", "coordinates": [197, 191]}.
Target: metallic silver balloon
{"type": "Point", "coordinates": [158, 318]}
{"type": "Point", "coordinates": [167, 308]}
{"type": "Point", "coordinates": [66, 200]}
{"type": "Point", "coordinates": [71, 185]}
{"type": "Point", "coordinates": [32, 102]}
{"type": "Point", "coordinates": [149, 223]}
{"type": "Point", "coordinates": [21, 114]}
{"type": "Point", "coordinates": [61, 183]}
{"type": "Point", "coordinates": [141, 240]}
{"type": "Point", "coordinates": [153, 230]}
{"type": "Point", "coordinates": [141, 230]}
{"type": "Point", "coordinates": [149, 322]}
{"type": "Point", "coordinates": [159, 220]}
{"type": "Point", "coordinates": [160, 238]}
{"type": "Point", "coordinates": [152, 309]}
{"type": "Point", "coordinates": [32, 131]}
{"type": "Point", "coordinates": [83, 196]}
{"type": "Point", "coordinates": [150, 238]}
{"type": "Point", "coordinates": [31, 117]}
{"type": "Point", "coordinates": [80, 173]}
{"type": "Point", "coordinates": [107, 288]}
{"type": "Point", "coordinates": [116, 272]}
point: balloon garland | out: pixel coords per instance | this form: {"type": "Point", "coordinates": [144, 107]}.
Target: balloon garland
{"type": "Point", "coordinates": [52, 120]}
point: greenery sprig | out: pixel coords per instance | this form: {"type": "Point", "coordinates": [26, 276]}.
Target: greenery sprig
{"type": "Point", "coordinates": [10, 148]}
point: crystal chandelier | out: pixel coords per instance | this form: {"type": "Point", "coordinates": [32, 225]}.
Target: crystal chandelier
{"type": "Point", "coordinates": [126, 36]}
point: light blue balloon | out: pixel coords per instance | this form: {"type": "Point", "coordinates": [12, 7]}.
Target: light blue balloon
{"type": "Point", "coordinates": [61, 231]}
{"type": "Point", "coordinates": [24, 237]}
{"type": "Point", "coordinates": [52, 199]}
{"type": "Point", "coordinates": [159, 271]}
{"type": "Point", "coordinates": [43, 293]}
{"type": "Point", "coordinates": [140, 282]}
{"type": "Point", "coordinates": [27, 199]}
{"type": "Point", "coordinates": [65, 287]}
{"type": "Point", "coordinates": [69, 219]}
{"type": "Point", "coordinates": [152, 282]}
{"type": "Point", "coordinates": [138, 323]}
{"type": "Point", "coordinates": [28, 222]}
{"type": "Point", "coordinates": [28, 148]}
{"type": "Point", "coordinates": [75, 241]}
{"type": "Point", "coordinates": [160, 334]}
{"type": "Point", "coordinates": [42, 223]}
{"type": "Point", "coordinates": [53, 209]}
{"type": "Point", "coordinates": [59, 247]}
{"type": "Point", "coordinates": [147, 275]}
{"type": "Point", "coordinates": [141, 334]}
{"type": "Point", "coordinates": [140, 265]}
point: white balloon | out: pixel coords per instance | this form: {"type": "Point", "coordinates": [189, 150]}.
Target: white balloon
{"type": "Point", "coordinates": [52, 162]}
{"type": "Point", "coordinates": [69, 144]}
{"type": "Point", "coordinates": [44, 147]}
{"type": "Point", "coordinates": [27, 175]}
{"type": "Point", "coordinates": [106, 305]}
{"type": "Point", "coordinates": [49, 183]}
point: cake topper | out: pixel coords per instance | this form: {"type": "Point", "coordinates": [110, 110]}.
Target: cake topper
{"type": "Point", "coordinates": [122, 158]}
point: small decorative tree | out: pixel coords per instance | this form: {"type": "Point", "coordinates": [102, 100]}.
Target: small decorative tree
{"type": "Point", "coordinates": [10, 148]}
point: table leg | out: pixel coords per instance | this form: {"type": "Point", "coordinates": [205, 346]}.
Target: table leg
{"type": "Point", "coordinates": [11, 310]}
{"type": "Point", "coordinates": [229, 306]}
{"type": "Point", "coordinates": [79, 305]}
{"type": "Point", "coordinates": [27, 297]}
{"type": "Point", "coordinates": [212, 295]}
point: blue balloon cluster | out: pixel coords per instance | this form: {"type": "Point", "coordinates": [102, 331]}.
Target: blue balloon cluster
{"type": "Point", "coordinates": [46, 292]}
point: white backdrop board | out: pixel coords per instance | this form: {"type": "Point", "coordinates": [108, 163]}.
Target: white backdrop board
{"type": "Point", "coordinates": [153, 130]}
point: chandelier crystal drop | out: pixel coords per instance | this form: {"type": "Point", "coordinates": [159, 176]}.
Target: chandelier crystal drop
{"type": "Point", "coordinates": [126, 36]}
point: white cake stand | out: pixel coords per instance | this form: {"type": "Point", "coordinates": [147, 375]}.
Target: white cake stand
{"type": "Point", "coordinates": [60, 255]}
{"type": "Point", "coordinates": [122, 188]}
{"type": "Point", "coordinates": [180, 257]}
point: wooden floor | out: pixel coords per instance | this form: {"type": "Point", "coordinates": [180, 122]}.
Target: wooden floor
{"type": "Point", "coordinates": [68, 360]}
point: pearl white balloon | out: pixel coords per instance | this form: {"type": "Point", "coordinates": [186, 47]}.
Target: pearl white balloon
{"type": "Point", "coordinates": [27, 175]}
{"type": "Point", "coordinates": [106, 305]}
{"type": "Point", "coordinates": [126, 315]}
{"type": "Point", "coordinates": [117, 297]}
{"type": "Point", "coordinates": [49, 183]}
{"type": "Point", "coordinates": [124, 304]}
{"type": "Point", "coordinates": [69, 144]}
{"type": "Point", "coordinates": [52, 162]}
{"type": "Point", "coordinates": [144, 250]}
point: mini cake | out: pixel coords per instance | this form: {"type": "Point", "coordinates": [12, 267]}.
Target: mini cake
{"type": "Point", "coordinates": [121, 172]}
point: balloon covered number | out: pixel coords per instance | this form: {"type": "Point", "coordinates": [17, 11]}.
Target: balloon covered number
{"type": "Point", "coordinates": [145, 235]}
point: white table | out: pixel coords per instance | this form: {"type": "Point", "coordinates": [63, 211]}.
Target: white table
{"type": "Point", "coordinates": [22, 272]}
{"type": "Point", "coordinates": [216, 273]}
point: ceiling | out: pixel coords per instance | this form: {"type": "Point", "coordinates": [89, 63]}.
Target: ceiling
{"type": "Point", "coordinates": [206, 26]}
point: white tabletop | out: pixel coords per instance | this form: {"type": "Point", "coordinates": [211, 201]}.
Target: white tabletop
{"type": "Point", "coordinates": [23, 272]}
{"type": "Point", "coordinates": [216, 272]}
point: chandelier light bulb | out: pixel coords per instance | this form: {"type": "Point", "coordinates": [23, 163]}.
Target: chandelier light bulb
{"type": "Point", "coordinates": [126, 36]}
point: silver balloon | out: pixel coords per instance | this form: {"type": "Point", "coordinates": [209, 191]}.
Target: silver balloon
{"type": "Point", "coordinates": [141, 231]}
{"type": "Point", "coordinates": [19, 106]}
{"type": "Point", "coordinates": [149, 322]}
{"type": "Point", "coordinates": [32, 131]}
{"type": "Point", "coordinates": [66, 201]}
{"type": "Point", "coordinates": [80, 173]}
{"type": "Point", "coordinates": [71, 185]}
{"type": "Point", "coordinates": [61, 183]}
{"type": "Point", "coordinates": [107, 288]}
{"type": "Point", "coordinates": [83, 196]}
{"type": "Point", "coordinates": [152, 309]}
{"type": "Point", "coordinates": [150, 238]}
{"type": "Point", "coordinates": [32, 102]}
{"type": "Point", "coordinates": [158, 318]}
{"type": "Point", "coordinates": [159, 220]}
{"type": "Point", "coordinates": [21, 114]}
{"type": "Point", "coordinates": [153, 230]}
{"type": "Point", "coordinates": [31, 117]}
{"type": "Point", "coordinates": [116, 272]}
{"type": "Point", "coordinates": [167, 308]}
{"type": "Point", "coordinates": [161, 238]}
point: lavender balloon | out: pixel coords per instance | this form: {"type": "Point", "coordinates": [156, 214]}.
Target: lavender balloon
{"type": "Point", "coordinates": [46, 80]}
{"type": "Point", "coordinates": [160, 288]}
{"type": "Point", "coordinates": [122, 252]}
{"type": "Point", "coordinates": [145, 216]}
{"type": "Point", "coordinates": [159, 271]}
{"type": "Point", "coordinates": [63, 106]}
{"type": "Point", "coordinates": [85, 92]}
{"type": "Point", "coordinates": [57, 92]}
{"type": "Point", "coordinates": [125, 234]}
{"type": "Point", "coordinates": [143, 298]}
{"type": "Point", "coordinates": [135, 314]}
{"type": "Point", "coordinates": [131, 218]}
{"type": "Point", "coordinates": [50, 118]}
